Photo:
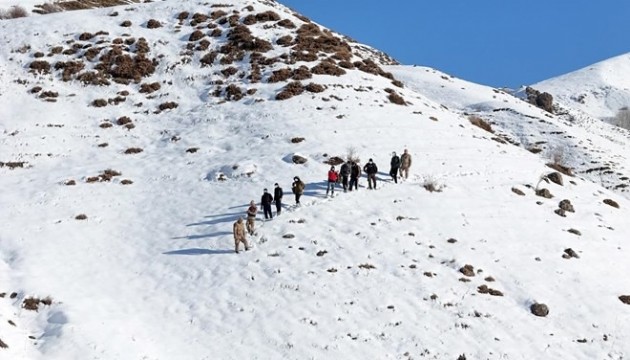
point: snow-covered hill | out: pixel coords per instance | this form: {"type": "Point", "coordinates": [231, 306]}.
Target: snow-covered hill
{"type": "Point", "coordinates": [599, 90]}
{"type": "Point", "coordinates": [161, 131]}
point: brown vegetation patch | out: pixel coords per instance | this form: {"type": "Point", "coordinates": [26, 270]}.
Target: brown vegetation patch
{"type": "Point", "coordinates": [148, 88]}
{"type": "Point", "coordinates": [297, 140]}
{"type": "Point", "coordinates": [99, 103]}
{"type": "Point", "coordinates": [286, 23]}
{"type": "Point", "coordinates": [233, 93]}
{"type": "Point", "coordinates": [217, 14]}
{"type": "Point", "coordinates": [182, 16]}
{"type": "Point", "coordinates": [394, 98]}
{"type": "Point", "coordinates": [32, 303]}
{"type": "Point", "coordinates": [35, 89]}
{"type": "Point", "coordinates": [301, 73]}
{"type": "Point", "coordinates": [467, 270]}
{"type": "Point", "coordinates": [285, 40]}
{"type": "Point", "coordinates": [153, 24]}
{"type": "Point", "coordinates": [334, 160]}
{"type": "Point", "coordinates": [267, 16]}
{"type": "Point", "coordinates": [292, 89]}
{"type": "Point", "coordinates": [40, 66]}
{"type": "Point", "coordinates": [126, 182]}
{"type": "Point", "coordinates": [327, 68]}
{"type": "Point", "coordinates": [209, 58]}
{"type": "Point", "coordinates": [625, 299]}
{"type": "Point", "coordinates": [70, 183]}
{"type": "Point", "coordinates": [123, 120]}
{"type": "Point", "coordinates": [229, 71]}
{"type": "Point", "coordinates": [81, 217]}
{"type": "Point", "coordinates": [93, 78]}
{"type": "Point", "coordinates": [49, 94]}
{"type": "Point", "coordinates": [199, 18]}
{"type": "Point", "coordinates": [13, 164]}
{"type": "Point", "coordinates": [611, 202]}
{"type": "Point", "coordinates": [125, 23]}
{"type": "Point", "coordinates": [168, 105]}
{"type": "Point", "coordinates": [280, 75]}
{"type": "Point", "coordinates": [196, 35]}
{"type": "Point", "coordinates": [561, 168]}
{"type": "Point", "coordinates": [105, 125]}
{"type": "Point", "coordinates": [480, 123]}
{"type": "Point", "coordinates": [314, 88]}
{"type": "Point", "coordinates": [133, 150]}
{"type": "Point", "coordinates": [70, 68]}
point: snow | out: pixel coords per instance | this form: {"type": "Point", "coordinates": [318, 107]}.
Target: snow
{"type": "Point", "coordinates": [151, 272]}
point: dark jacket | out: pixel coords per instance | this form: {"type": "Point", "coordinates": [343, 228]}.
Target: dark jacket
{"type": "Point", "coordinates": [370, 168]}
{"type": "Point", "coordinates": [266, 199]}
{"type": "Point", "coordinates": [355, 170]}
{"type": "Point", "coordinates": [277, 193]}
{"type": "Point", "coordinates": [345, 169]}
{"type": "Point", "coordinates": [395, 163]}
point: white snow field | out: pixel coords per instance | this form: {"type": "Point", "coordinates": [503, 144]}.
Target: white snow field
{"type": "Point", "coordinates": [150, 271]}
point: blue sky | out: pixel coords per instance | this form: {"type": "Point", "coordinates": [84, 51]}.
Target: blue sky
{"type": "Point", "coordinates": [492, 42]}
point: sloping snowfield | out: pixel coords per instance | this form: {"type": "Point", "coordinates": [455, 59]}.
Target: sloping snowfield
{"type": "Point", "coordinates": [151, 273]}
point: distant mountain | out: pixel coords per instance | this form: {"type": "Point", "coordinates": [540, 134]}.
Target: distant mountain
{"type": "Point", "coordinates": [600, 90]}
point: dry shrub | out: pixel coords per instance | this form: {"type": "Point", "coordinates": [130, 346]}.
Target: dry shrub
{"type": "Point", "coordinates": [292, 89]}
{"type": "Point", "coordinates": [394, 97]}
{"type": "Point", "coordinates": [208, 59]}
{"type": "Point", "coordinates": [286, 23]}
{"type": "Point", "coordinates": [93, 78]}
{"type": "Point", "coordinates": [240, 37]}
{"type": "Point", "coordinates": [38, 55]}
{"type": "Point", "coordinates": [126, 182]}
{"type": "Point", "coordinates": [92, 53]}
{"type": "Point", "coordinates": [314, 88]}
{"type": "Point", "coordinates": [70, 68]}
{"type": "Point", "coordinates": [125, 23]}
{"type": "Point", "coordinates": [196, 35]}
{"type": "Point", "coordinates": [123, 120]}
{"type": "Point", "coordinates": [267, 16]}
{"type": "Point", "coordinates": [327, 68]}
{"type": "Point", "coordinates": [346, 65]}
{"type": "Point", "coordinates": [168, 105]}
{"type": "Point", "coordinates": [233, 93]}
{"type": "Point", "coordinates": [81, 217]}
{"type": "Point", "coordinates": [56, 50]}
{"type": "Point", "coordinates": [117, 100]}
{"type": "Point", "coordinates": [611, 202]}
{"type": "Point", "coordinates": [216, 33]}
{"type": "Point", "coordinates": [306, 56]}
{"type": "Point", "coordinates": [301, 73]}
{"type": "Point", "coordinates": [14, 12]}
{"type": "Point", "coordinates": [286, 40]}
{"type": "Point", "coordinates": [99, 103]}
{"type": "Point", "coordinates": [198, 18]}
{"type": "Point", "coordinates": [217, 14]}
{"type": "Point", "coordinates": [47, 8]}
{"type": "Point", "coordinates": [40, 66]}
{"type": "Point", "coordinates": [86, 36]}
{"type": "Point", "coordinates": [229, 71]}
{"type": "Point", "coordinates": [192, 150]}
{"type": "Point", "coordinates": [103, 145]}
{"type": "Point", "coordinates": [35, 90]}
{"type": "Point", "coordinates": [297, 140]}
{"type": "Point", "coordinates": [153, 24]}
{"type": "Point", "coordinates": [203, 45]}
{"type": "Point", "coordinates": [13, 164]}
{"type": "Point", "coordinates": [183, 16]}
{"type": "Point", "coordinates": [480, 123]}
{"type": "Point", "coordinates": [249, 19]}
{"type": "Point", "coordinates": [280, 75]}
{"type": "Point", "coordinates": [133, 150]}
{"type": "Point", "coordinates": [398, 83]}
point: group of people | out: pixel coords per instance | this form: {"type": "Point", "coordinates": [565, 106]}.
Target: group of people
{"type": "Point", "coordinates": [348, 175]}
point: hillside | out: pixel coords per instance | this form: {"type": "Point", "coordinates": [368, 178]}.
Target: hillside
{"type": "Point", "coordinates": [133, 137]}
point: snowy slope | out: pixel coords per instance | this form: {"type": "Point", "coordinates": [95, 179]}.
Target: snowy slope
{"type": "Point", "coordinates": [599, 90]}
{"type": "Point", "coordinates": [151, 273]}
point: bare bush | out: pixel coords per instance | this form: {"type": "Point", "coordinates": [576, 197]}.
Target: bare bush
{"type": "Point", "coordinates": [292, 89]}
{"type": "Point", "coordinates": [314, 88]}
{"type": "Point", "coordinates": [480, 123]}
{"type": "Point", "coordinates": [14, 12]}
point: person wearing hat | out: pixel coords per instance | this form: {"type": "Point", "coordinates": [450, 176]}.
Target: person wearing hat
{"type": "Point", "coordinates": [239, 235]}
{"type": "Point", "coordinates": [371, 170]}
{"type": "Point", "coordinates": [355, 173]}
{"type": "Point", "coordinates": [333, 176]}
{"type": "Point", "coordinates": [298, 189]}
{"type": "Point", "coordinates": [252, 210]}
{"type": "Point", "coordinates": [277, 196]}
{"type": "Point", "coordinates": [265, 202]}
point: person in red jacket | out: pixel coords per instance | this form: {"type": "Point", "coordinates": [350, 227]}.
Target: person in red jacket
{"type": "Point", "coordinates": [333, 176]}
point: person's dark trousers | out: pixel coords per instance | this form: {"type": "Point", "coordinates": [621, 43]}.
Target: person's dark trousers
{"type": "Point", "coordinates": [372, 181]}
{"type": "Point", "coordinates": [394, 174]}
{"type": "Point", "coordinates": [278, 207]}
{"type": "Point", "coordinates": [297, 198]}
{"type": "Point", "coordinates": [344, 182]}
{"type": "Point", "coordinates": [354, 181]}
{"type": "Point", "coordinates": [267, 210]}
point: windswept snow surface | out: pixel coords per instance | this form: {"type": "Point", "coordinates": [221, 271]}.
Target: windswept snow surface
{"type": "Point", "coordinates": [371, 274]}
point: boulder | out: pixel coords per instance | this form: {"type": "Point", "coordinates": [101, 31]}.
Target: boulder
{"type": "Point", "coordinates": [539, 309]}
{"type": "Point", "coordinates": [297, 159]}
{"type": "Point", "coordinates": [555, 177]}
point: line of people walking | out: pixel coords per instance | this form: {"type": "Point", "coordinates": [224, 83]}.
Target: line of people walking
{"type": "Point", "coordinates": [348, 175]}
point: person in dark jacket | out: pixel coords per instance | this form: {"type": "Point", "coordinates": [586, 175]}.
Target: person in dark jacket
{"type": "Point", "coordinates": [265, 202]}
{"type": "Point", "coordinates": [371, 169]}
{"type": "Point", "coordinates": [298, 189]}
{"type": "Point", "coordinates": [277, 196]}
{"type": "Point", "coordinates": [345, 173]}
{"type": "Point", "coordinates": [395, 165]}
{"type": "Point", "coordinates": [355, 173]}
